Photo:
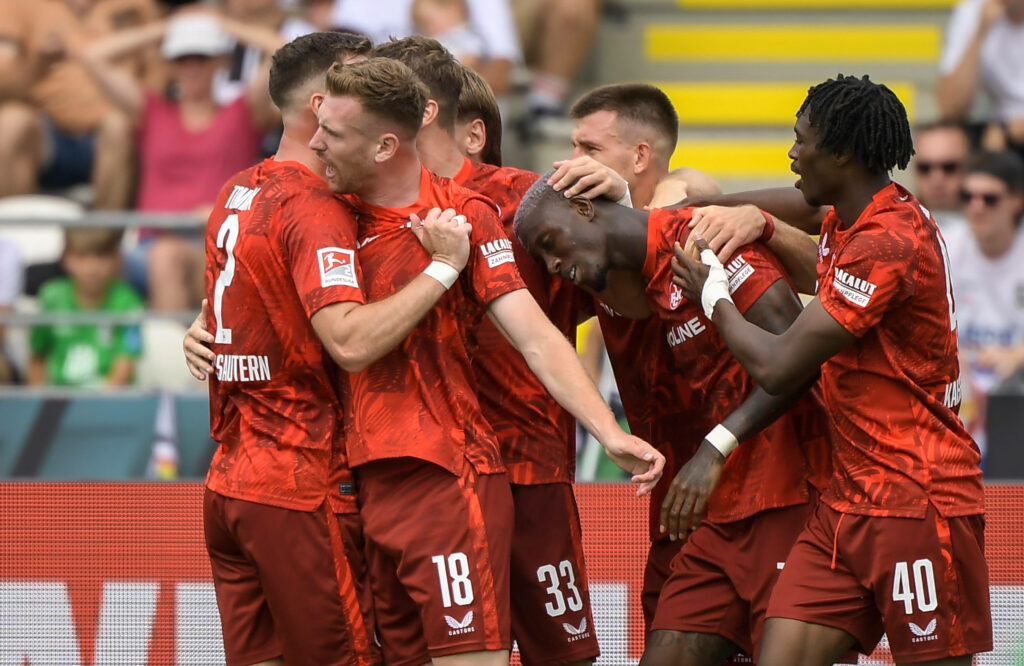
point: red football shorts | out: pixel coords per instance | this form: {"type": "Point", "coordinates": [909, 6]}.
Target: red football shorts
{"type": "Point", "coordinates": [722, 578]}
{"type": "Point", "coordinates": [922, 582]}
{"type": "Point", "coordinates": [656, 573]}
{"type": "Point", "coordinates": [284, 586]}
{"type": "Point", "coordinates": [552, 620]}
{"type": "Point", "coordinates": [437, 549]}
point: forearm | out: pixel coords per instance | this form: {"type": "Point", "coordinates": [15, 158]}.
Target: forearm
{"type": "Point", "coordinates": [785, 203]}
{"type": "Point", "coordinates": [756, 349]}
{"type": "Point", "coordinates": [265, 39]}
{"type": "Point", "coordinates": [798, 252]}
{"type": "Point", "coordinates": [368, 332]}
{"type": "Point", "coordinates": [37, 371]}
{"type": "Point", "coordinates": [956, 91]}
{"type": "Point", "coordinates": [122, 373]}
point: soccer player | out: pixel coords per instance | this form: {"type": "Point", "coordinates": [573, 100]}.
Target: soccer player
{"type": "Point", "coordinates": [286, 286]}
{"type": "Point", "coordinates": [536, 437]}
{"type": "Point", "coordinates": [418, 441]}
{"type": "Point", "coordinates": [897, 542]}
{"type": "Point", "coordinates": [478, 126]}
{"type": "Point", "coordinates": [715, 598]}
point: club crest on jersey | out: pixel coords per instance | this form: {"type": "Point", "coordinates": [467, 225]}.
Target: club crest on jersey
{"type": "Point", "coordinates": [463, 626]}
{"type": "Point", "coordinates": [922, 635]}
{"type": "Point", "coordinates": [853, 289]}
{"type": "Point", "coordinates": [675, 296]}
{"type": "Point", "coordinates": [576, 633]}
{"type": "Point", "coordinates": [337, 267]}
{"type": "Point", "coordinates": [498, 252]}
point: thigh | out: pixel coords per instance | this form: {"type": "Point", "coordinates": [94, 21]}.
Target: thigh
{"type": "Point", "coordinates": [552, 619]}
{"type": "Point", "coordinates": [656, 571]}
{"type": "Point", "coordinates": [70, 158]}
{"type": "Point", "coordinates": [449, 541]}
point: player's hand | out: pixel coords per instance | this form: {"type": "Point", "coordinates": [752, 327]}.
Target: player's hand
{"type": "Point", "coordinates": [724, 228]}
{"type": "Point", "coordinates": [637, 457]}
{"type": "Point", "coordinates": [690, 274]}
{"type": "Point", "coordinates": [706, 279]}
{"type": "Point", "coordinates": [445, 235]}
{"type": "Point", "coordinates": [586, 177]}
{"type": "Point", "coordinates": [198, 355]}
{"type": "Point", "coordinates": [689, 492]}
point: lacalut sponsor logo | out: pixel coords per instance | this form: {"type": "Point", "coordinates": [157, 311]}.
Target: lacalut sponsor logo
{"type": "Point", "coordinates": [738, 271]}
{"type": "Point", "coordinates": [923, 635]}
{"type": "Point", "coordinates": [498, 252]}
{"type": "Point", "coordinates": [337, 267]}
{"type": "Point", "coordinates": [576, 633]}
{"type": "Point", "coordinates": [853, 288]}
{"type": "Point", "coordinates": [463, 626]}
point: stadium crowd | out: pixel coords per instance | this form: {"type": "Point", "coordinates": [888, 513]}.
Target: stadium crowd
{"type": "Point", "coordinates": [371, 269]}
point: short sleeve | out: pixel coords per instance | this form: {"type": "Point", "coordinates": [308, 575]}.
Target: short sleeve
{"type": "Point", "coordinates": [318, 242]}
{"type": "Point", "coordinates": [751, 271]}
{"type": "Point", "coordinates": [867, 277]}
{"type": "Point", "coordinates": [491, 271]}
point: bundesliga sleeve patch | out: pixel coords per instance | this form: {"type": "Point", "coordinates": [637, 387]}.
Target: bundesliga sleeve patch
{"type": "Point", "coordinates": [337, 267]}
{"type": "Point", "coordinates": [498, 252]}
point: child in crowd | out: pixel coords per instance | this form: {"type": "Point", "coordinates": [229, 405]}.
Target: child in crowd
{"type": "Point", "coordinates": [86, 355]}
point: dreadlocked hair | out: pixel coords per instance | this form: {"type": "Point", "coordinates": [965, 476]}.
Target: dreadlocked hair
{"type": "Point", "coordinates": [859, 117]}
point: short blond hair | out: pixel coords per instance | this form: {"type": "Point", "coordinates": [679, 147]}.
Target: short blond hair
{"type": "Point", "coordinates": [384, 87]}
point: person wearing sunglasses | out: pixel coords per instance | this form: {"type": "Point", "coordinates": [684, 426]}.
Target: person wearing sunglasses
{"type": "Point", "coordinates": [941, 149]}
{"type": "Point", "coordinates": [987, 261]}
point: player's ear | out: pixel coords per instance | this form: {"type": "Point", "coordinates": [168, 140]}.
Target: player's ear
{"type": "Point", "coordinates": [641, 157]}
{"type": "Point", "coordinates": [315, 100]}
{"type": "Point", "coordinates": [584, 207]}
{"type": "Point", "coordinates": [476, 137]}
{"type": "Point", "coordinates": [386, 148]}
{"type": "Point", "coordinates": [429, 112]}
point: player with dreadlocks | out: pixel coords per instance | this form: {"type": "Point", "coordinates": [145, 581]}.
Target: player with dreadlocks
{"type": "Point", "coordinates": [896, 542]}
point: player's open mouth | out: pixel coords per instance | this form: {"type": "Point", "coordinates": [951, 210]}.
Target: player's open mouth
{"type": "Point", "coordinates": [329, 171]}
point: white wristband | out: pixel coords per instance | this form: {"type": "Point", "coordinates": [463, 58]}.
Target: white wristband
{"type": "Point", "coordinates": [722, 439]}
{"type": "Point", "coordinates": [442, 272]}
{"type": "Point", "coordinates": [716, 287]}
{"type": "Point", "coordinates": [626, 199]}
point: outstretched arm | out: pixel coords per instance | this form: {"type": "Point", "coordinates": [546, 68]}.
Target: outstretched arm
{"type": "Point", "coordinates": [558, 367]}
{"type": "Point", "coordinates": [785, 203]}
{"type": "Point", "coordinates": [120, 86]}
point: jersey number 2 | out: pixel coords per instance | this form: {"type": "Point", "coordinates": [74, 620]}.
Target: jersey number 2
{"type": "Point", "coordinates": [226, 237]}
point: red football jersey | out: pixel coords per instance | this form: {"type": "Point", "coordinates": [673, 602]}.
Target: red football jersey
{"type": "Point", "coordinates": [537, 437]}
{"type": "Point", "coordinates": [279, 246]}
{"type": "Point", "coordinates": [894, 394]}
{"type": "Point", "coordinates": [772, 469]}
{"type": "Point", "coordinates": [420, 399]}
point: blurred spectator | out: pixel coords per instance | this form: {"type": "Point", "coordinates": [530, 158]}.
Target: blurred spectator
{"type": "Point", "coordinates": [447, 21]}
{"type": "Point", "coordinates": [188, 145]}
{"type": "Point", "coordinates": [57, 127]}
{"type": "Point", "coordinates": [10, 288]}
{"type": "Point", "coordinates": [986, 258]}
{"type": "Point", "coordinates": [258, 28]}
{"type": "Point", "coordinates": [86, 355]}
{"type": "Point", "coordinates": [314, 16]}
{"type": "Point", "coordinates": [941, 152]}
{"type": "Point", "coordinates": [478, 126]}
{"type": "Point", "coordinates": [490, 19]}
{"type": "Point", "coordinates": [984, 48]}
{"type": "Point", "coordinates": [556, 36]}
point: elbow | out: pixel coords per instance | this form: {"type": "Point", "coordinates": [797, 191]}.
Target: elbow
{"type": "Point", "coordinates": [351, 358]}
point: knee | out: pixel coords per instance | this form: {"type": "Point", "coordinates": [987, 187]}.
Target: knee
{"type": "Point", "coordinates": [573, 14]}
{"type": "Point", "coordinates": [114, 133]}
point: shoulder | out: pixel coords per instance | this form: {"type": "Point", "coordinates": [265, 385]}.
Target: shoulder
{"type": "Point", "coordinates": [56, 292]}
{"type": "Point", "coordinates": [123, 297]}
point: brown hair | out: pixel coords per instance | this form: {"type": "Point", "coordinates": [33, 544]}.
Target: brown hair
{"type": "Point", "coordinates": [384, 87]}
{"type": "Point", "coordinates": [94, 241]}
{"type": "Point", "coordinates": [477, 101]}
{"type": "Point", "coordinates": [639, 103]}
{"type": "Point", "coordinates": [434, 66]}
{"type": "Point", "coordinates": [304, 58]}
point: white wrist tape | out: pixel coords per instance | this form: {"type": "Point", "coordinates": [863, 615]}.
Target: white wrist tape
{"type": "Point", "coordinates": [442, 272]}
{"type": "Point", "coordinates": [716, 287]}
{"type": "Point", "coordinates": [722, 439]}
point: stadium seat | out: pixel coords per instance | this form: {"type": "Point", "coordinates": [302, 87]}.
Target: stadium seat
{"type": "Point", "coordinates": [37, 243]}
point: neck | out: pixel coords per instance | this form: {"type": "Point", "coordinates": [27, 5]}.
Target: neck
{"type": "Point", "coordinates": [997, 243]}
{"type": "Point", "coordinates": [439, 151]}
{"type": "Point", "coordinates": [641, 190]}
{"type": "Point", "coordinates": [627, 237]}
{"type": "Point", "coordinates": [397, 183]}
{"type": "Point", "coordinates": [90, 301]}
{"type": "Point", "coordinates": [294, 146]}
{"type": "Point", "coordinates": [857, 196]}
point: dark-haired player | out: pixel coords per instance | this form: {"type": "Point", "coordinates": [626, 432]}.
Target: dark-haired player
{"type": "Point", "coordinates": [897, 542]}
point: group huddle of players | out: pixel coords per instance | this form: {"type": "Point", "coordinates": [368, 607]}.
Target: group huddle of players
{"type": "Point", "coordinates": [394, 477]}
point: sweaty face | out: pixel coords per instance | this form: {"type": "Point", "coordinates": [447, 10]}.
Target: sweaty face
{"type": "Point", "coordinates": [346, 143]}
{"type": "Point", "coordinates": [568, 245]}
{"type": "Point", "coordinates": [817, 170]}
{"type": "Point", "coordinates": [601, 136]}
{"type": "Point", "coordinates": [939, 167]}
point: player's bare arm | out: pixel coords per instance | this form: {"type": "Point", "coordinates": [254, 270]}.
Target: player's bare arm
{"type": "Point", "coordinates": [778, 363]}
{"type": "Point", "coordinates": [727, 228]}
{"type": "Point", "coordinates": [687, 497]}
{"type": "Point", "coordinates": [357, 334]}
{"type": "Point", "coordinates": [681, 183]}
{"type": "Point", "coordinates": [785, 203]}
{"type": "Point", "coordinates": [558, 367]}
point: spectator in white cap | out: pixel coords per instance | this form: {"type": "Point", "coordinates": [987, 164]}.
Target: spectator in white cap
{"type": "Point", "coordinates": [188, 144]}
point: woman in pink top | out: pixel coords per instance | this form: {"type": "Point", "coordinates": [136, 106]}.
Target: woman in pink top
{"type": "Point", "coordinates": [188, 145]}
